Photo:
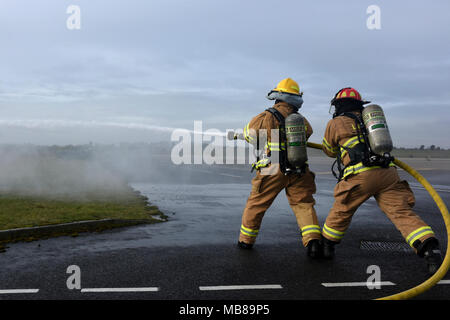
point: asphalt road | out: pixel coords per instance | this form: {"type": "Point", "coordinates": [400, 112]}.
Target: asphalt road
{"type": "Point", "coordinates": [194, 255]}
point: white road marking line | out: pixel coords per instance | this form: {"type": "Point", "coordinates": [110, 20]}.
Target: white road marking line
{"type": "Point", "coordinates": [436, 189]}
{"type": "Point", "coordinates": [421, 169]}
{"type": "Point", "coordinates": [241, 287]}
{"type": "Point", "coordinates": [230, 175]}
{"type": "Point", "coordinates": [444, 282]}
{"type": "Point", "coordinates": [148, 289]}
{"type": "Point", "coordinates": [357, 284]}
{"type": "Point", "coordinates": [15, 291]}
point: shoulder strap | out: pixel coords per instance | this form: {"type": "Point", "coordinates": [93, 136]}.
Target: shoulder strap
{"type": "Point", "coordinates": [277, 114]}
{"type": "Point", "coordinates": [353, 116]}
{"type": "Point", "coordinates": [360, 127]}
{"type": "Point", "coordinates": [282, 136]}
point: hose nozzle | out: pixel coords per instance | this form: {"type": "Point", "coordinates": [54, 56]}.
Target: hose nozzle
{"type": "Point", "coordinates": [231, 135]}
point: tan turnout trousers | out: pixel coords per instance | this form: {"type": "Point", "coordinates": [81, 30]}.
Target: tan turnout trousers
{"type": "Point", "coordinates": [299, 191]}
{"type": "Point", "coordinates": [393, 196]}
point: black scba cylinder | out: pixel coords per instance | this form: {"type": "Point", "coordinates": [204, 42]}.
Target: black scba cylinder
{"type": "Point", "coordinates": [377, 129]}
{"type": "Point", "coordinates": [296, 140]}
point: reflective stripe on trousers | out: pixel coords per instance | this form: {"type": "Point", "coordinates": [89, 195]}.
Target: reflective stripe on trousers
{"type": "Point", "coordinates": [333, 233]}
{"type": "Point", "coordinates": [312, 228]}
{"type": "Point", "coordinates": [249, 232]}
{"type": "Point", "coordinates": [417, 234]}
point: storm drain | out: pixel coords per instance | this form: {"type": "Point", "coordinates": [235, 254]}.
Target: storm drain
{"type": "Point", "coordinates": [385, 246]}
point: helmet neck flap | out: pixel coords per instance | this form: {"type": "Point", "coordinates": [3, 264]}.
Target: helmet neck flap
{"type": "Point", "coordinates": [292, 99]}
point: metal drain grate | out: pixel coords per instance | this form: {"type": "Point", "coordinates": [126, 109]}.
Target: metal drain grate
{"type": "Point", "coordinates": [385, 246]}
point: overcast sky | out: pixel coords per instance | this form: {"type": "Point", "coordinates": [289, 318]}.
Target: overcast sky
{"type": "Point", "coordinates": [138, 68]}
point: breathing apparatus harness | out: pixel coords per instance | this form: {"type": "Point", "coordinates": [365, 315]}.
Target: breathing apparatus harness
{"type": "Point", "coordinates": [285, 166]}
{"type": "Point", "coordinates": [361, 152]}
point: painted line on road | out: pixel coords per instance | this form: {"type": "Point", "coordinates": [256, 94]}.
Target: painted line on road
{"type": "Point", "coordinates": [229, 175]}
{"type": "Point", "coordinates": [96, 290]}
{"type": "Point", "coordinates": [422, 169]}
{"type": "Point", "coordinates": [18, 291]}
{"type": "Point", "coordinates": [444, 282]}
{"type": "Point", "coordinates": [435, 189]}
{"type": "Point", "coordinates": [443, 188]}
{"type": "Point", "coordinates": [357, 284]}
{"type": "Point", "coordinates": [241, 287]}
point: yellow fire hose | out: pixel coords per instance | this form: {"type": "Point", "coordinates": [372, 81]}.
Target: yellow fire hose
{"type": "Point", "coordinates": [442, 271]}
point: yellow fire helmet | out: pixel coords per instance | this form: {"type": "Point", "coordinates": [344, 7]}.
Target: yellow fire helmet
{"type": "Point", "coordinates": [288, 91]}
{"type": "Point", "coordinates": [289, 86]}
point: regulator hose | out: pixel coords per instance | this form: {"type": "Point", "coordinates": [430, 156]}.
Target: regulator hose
{"type": "Point", "coordinates": [442, 271]}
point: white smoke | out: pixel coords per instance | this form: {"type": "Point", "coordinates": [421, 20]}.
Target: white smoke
{"type": "Point", "coordinates": [33, 171]}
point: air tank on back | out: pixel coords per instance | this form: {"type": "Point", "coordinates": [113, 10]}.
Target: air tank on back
{"type": "Point", "coordinates": [377, 129]}
{"type": "Point", "coordinates": [296, 140]}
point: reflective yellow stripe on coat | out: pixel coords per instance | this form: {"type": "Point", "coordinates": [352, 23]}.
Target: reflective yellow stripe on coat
{"type": "Point", "coordinates": [247, 136]}
{"type": "Point", "coordinates": [350, 143]}
{"type": "Point", "coordinates": [359, 167]}
{"type": "Point", "coordinates": [261, 163]}
{"type": "Point", "coordinates": [275, 146]}
{"type": "Point", "coordinates": [328, 146]}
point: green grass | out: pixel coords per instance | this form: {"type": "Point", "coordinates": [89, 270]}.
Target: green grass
{"type": "Point", "coordinates": [31, 211]}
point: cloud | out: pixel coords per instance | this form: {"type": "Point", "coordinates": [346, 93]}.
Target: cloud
{"type": "Point", "coordinates": [214, 61]}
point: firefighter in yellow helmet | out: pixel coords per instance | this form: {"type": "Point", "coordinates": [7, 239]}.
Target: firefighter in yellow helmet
{"type": "Point", "coordinates": [274, 176]}
{"type": "Point", "coordinates": [359, 179]}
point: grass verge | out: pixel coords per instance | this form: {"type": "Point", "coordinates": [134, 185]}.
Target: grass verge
{"type": "Point", "coordinates": [34, 211]}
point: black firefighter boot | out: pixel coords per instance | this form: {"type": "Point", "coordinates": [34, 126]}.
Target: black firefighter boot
{"type": "Point", "coordinates": [245, 246]}
{"type": "Point", "coordinates": [314, 249]}
{"type": "Point", "coordinates": [429, 249]}
{"type": "Point", "coordinates": [328, 248]}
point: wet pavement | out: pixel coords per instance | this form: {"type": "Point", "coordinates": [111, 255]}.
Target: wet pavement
{"type": "Point", "coordinates": [197, 249]}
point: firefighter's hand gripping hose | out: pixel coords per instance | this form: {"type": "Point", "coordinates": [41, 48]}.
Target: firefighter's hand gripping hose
{"type": "Point", "coordinates": [428, 284]}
